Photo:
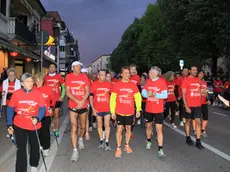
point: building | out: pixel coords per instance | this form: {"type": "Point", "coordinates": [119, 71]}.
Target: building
{"type": "Point", "coordinates": [52, 23]}
{"type": "Point", "coordinates": [89, 69]}
{"type": "Point", "coordinates": [19, 26]}
{"type": "Point", "coordinates": [68, 50]}
{"type": "Point", "coordinates": [101, 62]}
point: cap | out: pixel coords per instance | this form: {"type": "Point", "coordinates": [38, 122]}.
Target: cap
{"type": "Point", "coordinates": [76, 63]}
{"type": "Point", "coordinates": [84, 70]}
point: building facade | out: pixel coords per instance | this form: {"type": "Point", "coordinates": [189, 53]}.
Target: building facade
{"type": "Point", "coordinates": [101, 62]}
{"type": "Point", "coordinates": [19, 26]}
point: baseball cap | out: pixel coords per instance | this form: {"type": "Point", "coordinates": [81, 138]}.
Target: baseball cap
{"type": "Point", "coordinates": [76, 63]}
{"type": "Point", "coordinates": [84, 70]}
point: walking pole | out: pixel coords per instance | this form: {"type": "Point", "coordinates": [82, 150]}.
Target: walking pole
{"type": "Point", "coordinates": [40, 147]}
{"type": "Point", "coordinates": [13, 140]}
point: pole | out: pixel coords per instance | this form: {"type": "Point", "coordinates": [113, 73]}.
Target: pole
{"type": "Point", "coordinates": [58, 55]}
{"type": "Point", "coordinates": [41, 51]}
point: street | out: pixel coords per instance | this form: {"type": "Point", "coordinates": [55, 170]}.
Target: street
{"type": "Point", "coordinates": [179, 156]}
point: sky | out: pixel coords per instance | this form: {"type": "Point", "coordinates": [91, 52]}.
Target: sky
{"type": "Point", "coordinates": [97, 24]}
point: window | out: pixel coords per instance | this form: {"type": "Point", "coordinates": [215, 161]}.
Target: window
{"type": "Point", "coordinates": [62, 48]}
{"type": "Point", "coordinates": [3, 7]}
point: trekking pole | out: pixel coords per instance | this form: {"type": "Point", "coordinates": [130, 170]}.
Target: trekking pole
{"type": "Point", "coordinates": [13, 139]}
{"type": "Point", "coordinates": [40, 147]}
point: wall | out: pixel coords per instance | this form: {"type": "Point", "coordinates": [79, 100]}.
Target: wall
{"type": "Point", "coordinates": [3, 60]}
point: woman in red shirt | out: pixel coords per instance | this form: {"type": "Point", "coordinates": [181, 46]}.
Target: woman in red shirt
{"type": "Point", "coordinates": [48, 97]}
{"type": "Point", "coordinates": [30, 108]}
{"type": "Point", "coordinates": [171, 100]}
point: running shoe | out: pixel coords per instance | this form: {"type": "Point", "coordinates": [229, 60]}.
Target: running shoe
{"type": "Point", "coordinates": [182, 124]}
{"type": "Point", "coordinates": [132, 136]}
{"type": "Point", "coordinates": [148, 145]}
{"type": "Point", "coordinates": [199, 145]}
{"type": "Point", "coordinates": [189, 141]}
{"type": "Point", "coordinates": [128, 149]}
{"type": "Point", "coordinates": [46, 152]}
{"type": "Point", "coordinates": [174, 126]}
{"type": "Point", "coordinates": [56, 132]}
{"type": "Point", "coordinates": [160, 154]}
{"type": "Point", "coordinates": [107, 147]}
{"type": "Point", "coordinates": [34, 169]}
{"type": "Point", "coordinates": [87, 137]}
{"type": "Point", "coordinates": [90, 129]}
{"type": "Point", "coordinates": [102, 144]}
{"type": "Point", "coordinates": [118, 153]}
{"type": "Point", "coordinates": [81, 143]}
{"type": "Point", "coordinates": [204, 133]}
{"type": "Point", "coordinates": [75, 155]}
{"type": "Point", "coordinates": [94, 125]}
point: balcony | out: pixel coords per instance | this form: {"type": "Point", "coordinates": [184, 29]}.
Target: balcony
{"type": "Point", "coordinates": [18, 30]}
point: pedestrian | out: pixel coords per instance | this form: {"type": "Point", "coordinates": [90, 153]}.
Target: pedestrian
{"type": "Point", "coordinates": [30, 108]}
{"type": "Point", "coordinates": [50, 101]}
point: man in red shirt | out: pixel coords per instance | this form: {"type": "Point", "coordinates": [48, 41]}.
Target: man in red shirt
{"type": "Point", "coordinates": [122, 108]}
{"type": "Point", "coordinates": [134, 78]}
{"type": "Point", "coordinates": [114, 80]}
{"type": "Point", "coordinates": [77, 90]}
{"type": "Point", "coordinates": [218, 88]}
{"type": "Point", "coordinates": [99, 101]}
{"type": "Point", "coordinates": [178, 94]}
{"type": "Point", "coordinates": [191, 93]}
{"type": "Point", "coordinates": [56, 82]}
{"type": "Point", "coordinates": [155, 91]}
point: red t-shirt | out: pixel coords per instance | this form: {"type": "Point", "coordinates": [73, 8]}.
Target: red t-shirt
{"type": "Point", "coordinates": [55, 83]}
{"type": "Point", "coordinates": [135, 79]}
{"type": "Point", "coordinates": [203, 88]}
{"type": "Point", "coordinates": [125, 97]}
{"type": "Point", "coordinates": [101, 91]}
{"type": "Point", "coordinates": [179, 82]}
{"type": "Point", "coordinates": [218, 86]}
{"type": "Point", "coordinates": [26, 106]}
{"type": "Point", "coordinates": [77, 86]}
{"type": "Point", "coordinates": [171, 89]}
{"type": "Point", "coordinates": [155, 105]}
{"type": "Point", "coordinates": [10, 90]}
{"type": "Point", "coordinates": [48, 97]}
{"type": "Point", "coordinates": [193, 94]}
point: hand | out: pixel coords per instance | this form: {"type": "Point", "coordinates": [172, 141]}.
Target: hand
{"type": "Point", "coordinates": [150, 93]}
{"type": "Point", "coordinates": [10, 130]}
{"type": "Point", "coordinates": [113, 116]}
{"type": "Point", "coordinates": [188, 110]}
{"type": "Point", "coordinates": [94, 112]}
{"type": "Point", "coordinates": [138, 114]}
{"type": "Point", "coordinates": [50, 111]}
{"type": "Point", "coordinates": [178, 98]}
{"type": "Point", "coordinates": [34, 120]}
{"type": "Point", "coordinates": [60, 99]}
{"type": "Point", "coordinates": [208, 102]}
{"type": "Point", "coordinates": [3, 93]}
{"type": "Point", "coordinates": [80, 104]}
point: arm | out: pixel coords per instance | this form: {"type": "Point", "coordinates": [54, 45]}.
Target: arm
{"type": "Point", "coordinates": [176, 91]}
{"type": "Point", "coordinates": [91, 100]}
{"type": "Point", "coordinates": [69, 95]}
{"type": "Point", "coordinates": [144, 93]}
{"type": "Point", "coordinates": [86, 93]}
{"type": "Point", "coordinates": [138, 101]}
{"type": "Point", "coordinates": [10, 115]}
{"type": "Point", "coordinates": [63, 91]}
{"type": "Point", "coordinates": [162, 95]}
{"type": "Point", "coordinates": [113, 99]}
{"type": "Point", "coordinates": [184, 97]}
{"type": "Point", "coordinates": [41, 113]}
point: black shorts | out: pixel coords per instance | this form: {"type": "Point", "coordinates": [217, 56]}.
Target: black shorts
{"type": "Point", "coordinates": [78, 111]}
{"type": "Point", "coordinates": [125, 120]}
{"type": "Point", "coordinates": [204, 110]}
{"type": "Point", "coordinates": [196, 113]}
{"type": "Point", "coordinates": [159, 117]}
{"type": "Point", "coordinates": [58, 104]}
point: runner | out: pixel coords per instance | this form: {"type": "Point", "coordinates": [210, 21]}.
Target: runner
{"type": "Point", "coordinates": [218, 88]}
{"type": "Point", "coordinates": [155, 91]}
{"type": "Point", "coordinates": [77, 90]}
{"type": "Point", "coordinates": [136, 80]}
{"type": "Point", "coordinates": [30, 109]}
{"type": "Point", "coordinates": [9, 86]}
{"type": "Point", "coordinates": [122, 108]}
{"type": "Point", "coordinates": [171, 100]}
{"type": "Point", "coordinates": [191, 93]}
{"type": "Point", "coordinates": [55, 81]}
{"type": "Point", "coordinates": [204, 103]}
{"type": "Point", "coordinates": [114, 80]}
{"type": "Point", "coordinates": [48, 97]}
{"type": "Point", "coordinates": [108, 77]}
{"type": "Point", "coordinates": [178, 93]}
{"type": "Point", "coordinates": [99, 100]}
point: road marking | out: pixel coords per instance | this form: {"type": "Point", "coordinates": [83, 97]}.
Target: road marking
{"type": "Point", "coordinates": [53, 149]}
{"type": "Point", "coordinates": [221, 114]}
{"type": "Point", "coordinates": [207, 146]}
{"type": "Point", "coordinates": [7, 155]}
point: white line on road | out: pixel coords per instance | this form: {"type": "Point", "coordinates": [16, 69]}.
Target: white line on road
{"type": "Point", "coordinates": [214, 150]}
{"type": "Point", "coordinates": [53, 150]}
{"type": "Point", "coordinates": [221, 114]}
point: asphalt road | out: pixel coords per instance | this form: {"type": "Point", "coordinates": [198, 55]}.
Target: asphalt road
{"type": "Point", "coordinates": [179, 156]}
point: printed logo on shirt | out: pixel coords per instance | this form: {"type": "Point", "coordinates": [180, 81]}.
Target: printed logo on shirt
{"type": "Point", "coordinates": [195, 92]}
{"type": "Point", "coordinates": [126, 96]}
{"type": "Point", "coordinates": [104, 96]}
{"type": "Point", "coordinates": [154, 90]}
{"type": "Point", "coordinates": [28, 110]}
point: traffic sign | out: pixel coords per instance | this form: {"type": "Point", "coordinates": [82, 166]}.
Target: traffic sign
{"type": "Point", "coordinates": [181, 63]}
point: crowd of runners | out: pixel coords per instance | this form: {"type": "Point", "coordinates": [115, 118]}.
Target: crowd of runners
{"type": "Point", "coordinates": [32, 102]}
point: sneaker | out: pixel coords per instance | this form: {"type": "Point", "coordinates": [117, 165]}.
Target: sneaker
{"type": "Point", "coordinates": [107, 147]}
{"type": "Point", "coordinates": [46, 152]}
{"type": "Point", "coordinates": [204, 133]}
{"type": "Point", "coordinates": [75, 155]}
{"type": "Point", "coordinates": [160, 154]}
{"type": "Point", "coordinates": [94, 125]}
{"type": "Point", "coordinates": [189, 141]}
{"type": "Point", "coordinates": [132, 136]}
{"type": "Point", "coordinates": [128, 149]}
{"type": "Point", "coordinates": [194, 132]}
{"type": "Point", "coordinates": [56, 132]}
{"type": "Point", "coordinates": [34, 169]}
{"type": "Point", "coordinates": [139, 122]}
{"type": "Point", "coordinates": [87, 137]}
{"type": "Point", "coordinates": [90, 129]}
{"type": "Point", "coordinates": [174, 126]}
{"type": "Point", "coordinates": [81, 143]}
{"type": "Point", "coordinates": [182, 124]}
{"type": "Point", "coordinates": [148, 145]}
{"type": "Point", "coordinates": [118, 153]}
{"type": "Point", "coordinates": [8, 135]}
{"type": "Point", "coordinates": [177, 113]}
{"type": "Point", "coordinates": [102, 144]}
{"type": "Point", "coordinates": [199, 145]}
{"type": "Point", "coordinates": [184, 120]}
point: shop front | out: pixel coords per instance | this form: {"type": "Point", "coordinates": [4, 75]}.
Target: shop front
{"type": "Point", "coordinates": [3, 60]}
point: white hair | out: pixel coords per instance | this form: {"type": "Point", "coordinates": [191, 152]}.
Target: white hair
{"type": "Point", "coordinates": [11, 70]}
{"type": "Point", "coordinates": [156, 70]}
{"type": "Point", "coordinates": [25, 76]}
